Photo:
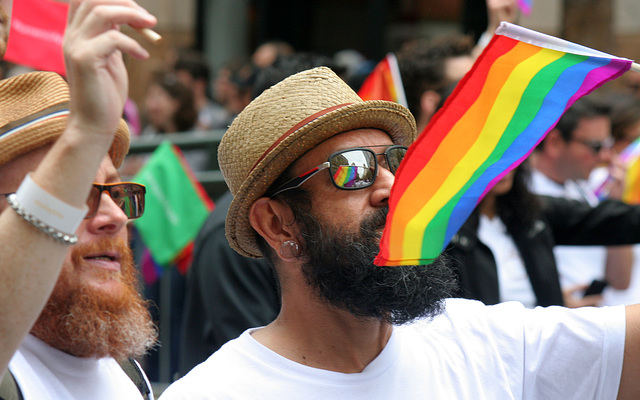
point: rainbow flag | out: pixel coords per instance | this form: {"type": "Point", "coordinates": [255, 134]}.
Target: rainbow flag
{"type": "Point", "coordinates": [631, 193]}
{"type": "Point", "coordinates": [629, 158]}
{"type": "Point", "coordinates": [384, 82]}
{"type": "Point", "coordinates": [514, 94]}
{"type": "Point", "coordinates": [525, 6]}
{"type": "Point", "coordinates": [345, 176]}
{"type": "Point", "coordinates": [631, 152]}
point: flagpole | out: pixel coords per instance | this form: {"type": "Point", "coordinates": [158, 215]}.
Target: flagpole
{"type": "Point", "coordinates": [543, 40]}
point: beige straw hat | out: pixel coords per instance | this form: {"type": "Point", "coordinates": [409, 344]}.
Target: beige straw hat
{"type": "Point", "coordinates": [33, 113]}
{"type": "Point", "coordinates": [285, 122]}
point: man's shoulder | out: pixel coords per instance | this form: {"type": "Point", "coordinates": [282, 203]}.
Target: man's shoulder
{"type": "Point", "coordinates": [225, 369]}
{"type": "Point", "coordinates": [38, 375]}
{"type": "Point", "coordinates": [465, 315]}
{"type": "Point", "coordinates": [459, 310]}
{"type": "Point", "coordinates": [464, 320]}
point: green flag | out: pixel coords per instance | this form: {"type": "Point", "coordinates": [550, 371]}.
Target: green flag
{"type": "Point", "coordinates": [176, 204]}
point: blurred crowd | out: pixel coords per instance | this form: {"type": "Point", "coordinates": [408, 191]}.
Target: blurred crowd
{"type": "Point", "coordinates": [579, 161]}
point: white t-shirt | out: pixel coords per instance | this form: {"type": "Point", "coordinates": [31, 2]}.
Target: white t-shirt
{"type": "Point", "coordinates": [472, 351]}
{"type": "Point", "coordinates": [45, 373]}
{"type": "Point", "coordinates": [513, 279]}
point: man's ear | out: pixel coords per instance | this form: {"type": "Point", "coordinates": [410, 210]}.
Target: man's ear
{"type": "Point", "coordinates": [273, 220]}
{"type": "Point", "coordinates": [553, 144]}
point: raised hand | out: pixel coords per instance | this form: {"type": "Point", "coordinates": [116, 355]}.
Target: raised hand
{"type": "Point", "coordinates": [93, 47]}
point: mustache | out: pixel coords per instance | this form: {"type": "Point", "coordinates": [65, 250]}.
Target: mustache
{"type": "Point", "coordinates": [374, 222]}
{"type": "Point", "coordinates": [339, 268]}
{"type": "Point", "coordinates": [101, 245]}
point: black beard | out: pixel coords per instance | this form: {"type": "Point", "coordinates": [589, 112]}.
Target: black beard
{"type": "Point", "coordinates": [339, 267]}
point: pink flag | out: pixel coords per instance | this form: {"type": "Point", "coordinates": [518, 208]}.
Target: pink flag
{"type": "Point", "coordinates": [525, 6]}
{"type": "Point", "coordinates": [35, 37]}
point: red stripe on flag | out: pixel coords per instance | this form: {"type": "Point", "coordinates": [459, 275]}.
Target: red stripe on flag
{"type": "Point", "coordinates": [461, 103]}
{"type": "Point", "coordinates": [379, 84]}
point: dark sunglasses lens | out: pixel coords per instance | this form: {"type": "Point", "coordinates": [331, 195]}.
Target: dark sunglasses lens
{"type": "Point", "coordinates": [395, 156]}
{"type": "Point", "coordinates": [596, 147]}
{"type": "Point", "coordinates": [128, 197]}
{"type": "Point", "coordinates": [353, 169]}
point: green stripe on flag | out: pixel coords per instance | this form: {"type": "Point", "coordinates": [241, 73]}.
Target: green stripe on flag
{"type": "Point", "coordinates": [174, 210]}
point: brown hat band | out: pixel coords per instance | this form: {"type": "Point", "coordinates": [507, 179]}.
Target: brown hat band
{"type": "Point", "coordinates": [55, 111]}
{"type": "Point", "coordinates": [296, 127]}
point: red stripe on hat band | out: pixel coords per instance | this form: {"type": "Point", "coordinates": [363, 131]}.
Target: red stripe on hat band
{"type": "Point", "coordinates": [295, 128]}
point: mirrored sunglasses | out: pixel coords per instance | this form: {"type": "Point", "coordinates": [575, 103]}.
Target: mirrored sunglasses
{"type": "Point", "coordinates": [351, 169]}
{"type": "Point", "coordinates": [128, 196]}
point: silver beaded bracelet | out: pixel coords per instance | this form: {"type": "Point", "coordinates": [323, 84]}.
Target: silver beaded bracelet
{"type": "Point", "coordinates": [66, 238]}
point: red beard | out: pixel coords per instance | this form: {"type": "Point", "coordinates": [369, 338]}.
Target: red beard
{"type": "Point", "coordinates": [85, 321]}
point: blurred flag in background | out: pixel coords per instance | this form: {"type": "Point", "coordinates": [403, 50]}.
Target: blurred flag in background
{"type": "Point", "coordinates": [384, 82]}
{"type": "Point", "coordinates": [176, 207]}
{"type": "Point", "coordinates": [35, 36]}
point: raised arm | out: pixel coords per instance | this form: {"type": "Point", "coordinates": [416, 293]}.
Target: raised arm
{"type": "Point", "coordinates": [619, 261]}
{"type": "Point", "coordinates": [30, 261]}
{"type": "Point", "coordinates": [618, 266]}
{"type": "Point", "coordinates": [629, 383]}
{"type": "Point", "coordinates": [497, 11]}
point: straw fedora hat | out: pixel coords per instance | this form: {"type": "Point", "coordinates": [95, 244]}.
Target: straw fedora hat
{"type": "Point", "coordinates": [281, 125]}
{"type": "Point", "coordinates": [34, 108]}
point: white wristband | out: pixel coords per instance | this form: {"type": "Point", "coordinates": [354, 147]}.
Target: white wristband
{"type": "Point", "coordinates": [47, 208]}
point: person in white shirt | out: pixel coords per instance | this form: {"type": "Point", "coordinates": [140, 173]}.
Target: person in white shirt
{"type": "Point", "coordinates": [70, 306]}
{"type": "Point", "coordinates": [609, 181]}
{"type": "Point", "coordinates": [562, 163]}
{"type": "Point", "coordinates": [348, 329]}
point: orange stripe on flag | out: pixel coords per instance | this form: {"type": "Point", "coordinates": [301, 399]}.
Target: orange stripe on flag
{"type": "Point", "coordinates": [459, 140]}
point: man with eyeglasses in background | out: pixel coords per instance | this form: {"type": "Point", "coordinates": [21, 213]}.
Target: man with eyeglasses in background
{"type": "Point", "coordinates": [311, 167]}
{"type": "Point", "coordinates": [72, 317]}
{"type": "Point", "coordinates": [579, 143]}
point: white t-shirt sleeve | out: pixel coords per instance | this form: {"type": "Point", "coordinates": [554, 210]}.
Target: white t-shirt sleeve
{"type": "Point", "coordinates": [585, 347]}
{"type": "Point", "coordinates": [565, 353]}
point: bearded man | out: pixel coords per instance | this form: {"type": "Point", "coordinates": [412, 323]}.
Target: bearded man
{"type": "Point", "coordinates": [311, 167]}
{"type": "Point", "coordinates": [71, 309]}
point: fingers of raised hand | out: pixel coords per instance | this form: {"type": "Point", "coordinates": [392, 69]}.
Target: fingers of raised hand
{"type": "Point", "coordinates": [100, 19]}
